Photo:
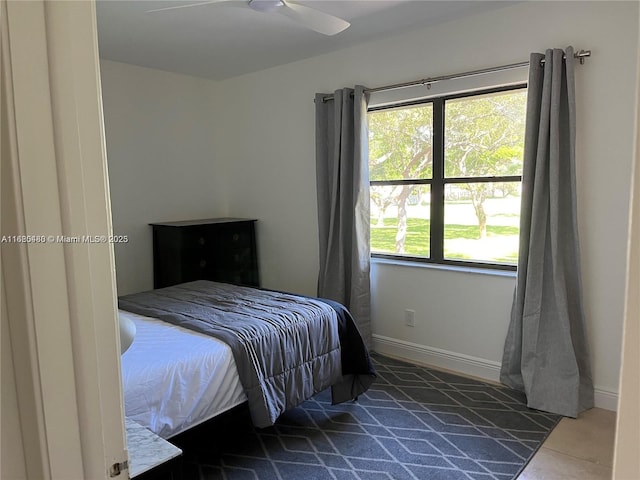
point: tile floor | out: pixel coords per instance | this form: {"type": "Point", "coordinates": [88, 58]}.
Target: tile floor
{"type": "Point", "coordinates": [577, 449]}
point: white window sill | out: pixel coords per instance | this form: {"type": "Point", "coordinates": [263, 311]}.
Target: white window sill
{"type": "Point", "coordinates": [448, 268]}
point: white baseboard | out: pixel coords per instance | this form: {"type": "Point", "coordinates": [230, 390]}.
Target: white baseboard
{"type": "Point", "coordinates": [465, 364]}
{"type": "Point", "coordinates": [606, 399]}
{"type": "Point", "coordinates": [421, 354]}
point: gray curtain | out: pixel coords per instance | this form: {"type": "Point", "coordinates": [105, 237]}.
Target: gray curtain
{"type": "Point", "coordinates": [546, 351]}
{"type": "Point", "coordinates": [342, 175]}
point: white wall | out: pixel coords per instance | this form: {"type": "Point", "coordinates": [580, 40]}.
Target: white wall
{"type": "Point", "coordinates": [265, 133]}
{"type": "Point", "coordinates": [161, 156]}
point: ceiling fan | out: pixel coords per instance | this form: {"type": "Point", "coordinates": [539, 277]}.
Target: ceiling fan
{"type": "Point", "coordinates": [309, 17]}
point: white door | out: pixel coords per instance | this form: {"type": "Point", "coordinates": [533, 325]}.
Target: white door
{"type": "Point", "coordinates": [57, 263]}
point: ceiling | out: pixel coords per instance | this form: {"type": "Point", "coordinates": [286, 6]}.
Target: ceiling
{"type": "Point", "coordinates": [224, 40]}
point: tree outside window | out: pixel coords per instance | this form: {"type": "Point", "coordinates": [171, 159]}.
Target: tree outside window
{"type": "Point", "coordinates": [456, 161]}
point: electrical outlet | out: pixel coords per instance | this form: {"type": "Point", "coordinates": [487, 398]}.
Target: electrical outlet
{"type": "Point", "coordinates": [410, 318]}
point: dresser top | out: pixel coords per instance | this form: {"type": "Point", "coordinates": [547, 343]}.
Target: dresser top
{"type": "Point", "coordinates": [205, 221]}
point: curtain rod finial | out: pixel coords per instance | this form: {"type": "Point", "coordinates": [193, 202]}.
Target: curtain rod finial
{"type": "Point", "coordinates": [581, 54]}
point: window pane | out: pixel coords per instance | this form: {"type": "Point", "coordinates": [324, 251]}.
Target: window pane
{"type": "Point", "coordinates": [400, 143]}
{"type": "Point", "coordinates": [482, 222]}
{"type": "Point", "coordinates": [484, 134]}
{"type": "Point", "coordinates": [400, 219]}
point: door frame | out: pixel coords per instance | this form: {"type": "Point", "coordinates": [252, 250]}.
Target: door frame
{"type": "Point", "coordinates": [60, 294]}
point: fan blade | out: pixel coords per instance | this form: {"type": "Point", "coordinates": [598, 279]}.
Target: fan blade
{"type": "Point", "coordinates": [186, 6]}
{"type": "Point", "coordinates": [314, 19]}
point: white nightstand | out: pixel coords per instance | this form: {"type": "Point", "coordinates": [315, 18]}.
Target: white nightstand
{"type": "Point", "coordinates": [146, 449]}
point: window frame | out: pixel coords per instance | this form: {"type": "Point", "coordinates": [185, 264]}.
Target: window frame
{"type": "Point", "coordinates": [438, 180]}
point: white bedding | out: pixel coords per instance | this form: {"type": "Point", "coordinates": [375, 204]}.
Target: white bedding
{"type": "Point", "coordinates": [175, 378]}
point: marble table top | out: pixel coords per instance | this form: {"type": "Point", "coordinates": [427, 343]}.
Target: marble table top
{"type": "Point", "coordinates": [146, 449]}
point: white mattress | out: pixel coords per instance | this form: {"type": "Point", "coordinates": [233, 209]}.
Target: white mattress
{"type": "Point", "coordinates": [175, 378]}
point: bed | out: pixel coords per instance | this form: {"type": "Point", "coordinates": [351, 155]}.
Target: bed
{"type": "Point", "coordinates": [202, 348]}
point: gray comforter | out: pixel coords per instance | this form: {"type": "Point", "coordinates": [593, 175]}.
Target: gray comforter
{"type": "Point", "coordinates": [286, 347]}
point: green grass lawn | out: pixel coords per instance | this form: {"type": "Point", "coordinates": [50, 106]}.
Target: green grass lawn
{"type": "Point", "coordinates": [461, 241]}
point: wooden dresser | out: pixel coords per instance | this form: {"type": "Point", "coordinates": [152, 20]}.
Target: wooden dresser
{"type": "Point", "coordinates": [218, 249]}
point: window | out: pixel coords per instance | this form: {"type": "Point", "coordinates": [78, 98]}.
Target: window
{"type": "Point", "coordinates": [445, 178]}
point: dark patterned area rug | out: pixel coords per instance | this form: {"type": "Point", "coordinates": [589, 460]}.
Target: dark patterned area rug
{"type": "Point", "coordinates": [414, 423]}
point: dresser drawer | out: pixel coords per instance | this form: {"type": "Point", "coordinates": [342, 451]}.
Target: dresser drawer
{"type": "Point", "coordinates": [229, 238]}
{"type": "Point", "coordinates": [236, 258]}
{"type": "Point", "coordinates": [195, 244]}
{"type": "Point", "coordinates": [196, 268]}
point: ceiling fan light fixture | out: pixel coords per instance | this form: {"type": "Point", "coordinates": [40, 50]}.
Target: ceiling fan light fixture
{"type": "Point", "coordinates": [266, 6]}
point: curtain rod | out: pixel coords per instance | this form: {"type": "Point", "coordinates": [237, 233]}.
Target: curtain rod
{"type": "Point", "coordinates": [580, 55]}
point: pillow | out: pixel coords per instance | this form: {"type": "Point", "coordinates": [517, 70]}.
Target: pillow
{"type": "Point", "coordinates": [127, 332]}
